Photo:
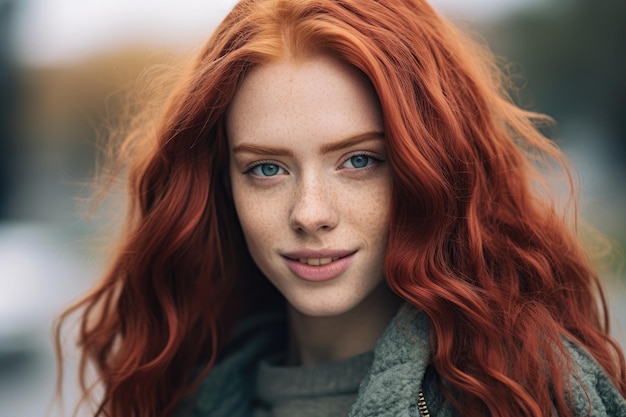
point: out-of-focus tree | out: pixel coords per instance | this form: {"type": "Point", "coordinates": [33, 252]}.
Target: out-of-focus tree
{"type": "Point", "coordinates": [66, 113]}
{"type": "Point", "coordinates": [574, 57]}
{"type": "Point", "coordinates": [8, 97]}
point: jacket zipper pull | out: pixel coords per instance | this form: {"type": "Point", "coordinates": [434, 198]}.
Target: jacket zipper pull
{"type": "Point", "coordinates": [421, 404]}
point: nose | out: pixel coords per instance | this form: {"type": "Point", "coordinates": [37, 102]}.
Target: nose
{"type": "Point", "coordinates": [313, 209]}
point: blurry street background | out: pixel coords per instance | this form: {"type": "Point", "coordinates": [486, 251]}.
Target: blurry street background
{"type": "Point", "coordinates": [65, 64]}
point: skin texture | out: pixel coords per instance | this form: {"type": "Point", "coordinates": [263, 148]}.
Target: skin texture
{"type": "Point", "coordinates": [296, 194]}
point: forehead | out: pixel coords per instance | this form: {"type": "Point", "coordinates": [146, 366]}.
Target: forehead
{"type": "Point", "coordinates": [313, 97]}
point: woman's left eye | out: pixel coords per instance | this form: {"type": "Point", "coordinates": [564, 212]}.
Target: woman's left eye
{"type": "Point", "coordinates": [359, 161]}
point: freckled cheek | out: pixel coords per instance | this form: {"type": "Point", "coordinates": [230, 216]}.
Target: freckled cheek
{"type": "Point", "coordinates": [368, 209]}
{"type": "Point", "coordinates": [254, 220]}
{"type": "Point", "coordinates": [259, 219]}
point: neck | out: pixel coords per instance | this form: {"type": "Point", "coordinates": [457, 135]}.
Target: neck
{"type": "Point", "coordinates": [315, 340]}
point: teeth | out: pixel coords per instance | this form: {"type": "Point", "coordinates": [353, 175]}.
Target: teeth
{"type": "Point", "coordinates": [317, 261]}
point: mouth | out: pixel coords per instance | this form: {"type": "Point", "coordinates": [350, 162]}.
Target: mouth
{"type": "Point", "coordinates": [318, 265]}
{"type": "Point", "coordinates": [318, 257]}
{"type": "Point", "coordinates": [317, 261]}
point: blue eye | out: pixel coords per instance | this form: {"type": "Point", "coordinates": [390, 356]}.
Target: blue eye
{"type": "Point", "coordinates": [359, 161]}
{"type": "Point", "coordinates": [266, 170]}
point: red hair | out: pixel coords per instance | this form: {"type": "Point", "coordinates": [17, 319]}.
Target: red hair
{"type": "Point", "coordinates": [493, 265]}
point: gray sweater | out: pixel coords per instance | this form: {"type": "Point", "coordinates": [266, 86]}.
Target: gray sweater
{"type": "Point", "coordinates": [323, 390]}
{"type": "Point", "coordinates": [390, 388]}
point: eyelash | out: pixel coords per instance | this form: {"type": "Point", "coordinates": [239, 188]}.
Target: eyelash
{"type": "Point", "coordinates": [249, 169]}
{"type": "Point", "coordinates": [375, 162]}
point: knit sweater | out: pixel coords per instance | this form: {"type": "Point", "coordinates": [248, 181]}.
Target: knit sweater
{"type": "Point", "coordinates": [321, 390]}
{"type": "Point", "coordinates": [392, 386]}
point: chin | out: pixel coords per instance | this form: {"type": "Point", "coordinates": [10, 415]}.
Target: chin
{"type": "Point", "coordinates": [323, 307]}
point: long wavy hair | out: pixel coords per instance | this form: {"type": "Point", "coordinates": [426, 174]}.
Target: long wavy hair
{"type": "Point", "coordinates": [473, 242]}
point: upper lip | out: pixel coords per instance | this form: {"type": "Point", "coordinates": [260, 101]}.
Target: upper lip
{"type": "Point", "coordinates": [318, 254]}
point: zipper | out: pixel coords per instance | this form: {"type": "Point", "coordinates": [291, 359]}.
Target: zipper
{"type": "Point", "coordinates": [421, 404]}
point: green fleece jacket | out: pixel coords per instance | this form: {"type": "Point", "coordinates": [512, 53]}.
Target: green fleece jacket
{"type": "Point", "coordinates": [390, 389]}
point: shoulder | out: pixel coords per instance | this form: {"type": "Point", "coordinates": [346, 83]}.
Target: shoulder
{"type": "Point", "coordinates": [592, 389]}
{"type": "Point", "coordinates": [592, 394]}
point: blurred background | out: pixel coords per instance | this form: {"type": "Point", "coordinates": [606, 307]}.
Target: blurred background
{"type": "Point", "coordinates": [64, 65]}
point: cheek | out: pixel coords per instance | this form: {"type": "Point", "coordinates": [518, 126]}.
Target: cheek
{"type": "Point", "coordinates": [257, 217]}
{"type": "Point", "coordinates": [370, 208]}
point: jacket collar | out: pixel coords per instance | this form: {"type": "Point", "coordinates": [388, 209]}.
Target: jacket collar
{"type": "Point", "coordinates": [400, 360]}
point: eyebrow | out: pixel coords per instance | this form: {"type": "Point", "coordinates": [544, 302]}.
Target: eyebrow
{"type": "Point", "coordinates": [331, 147]}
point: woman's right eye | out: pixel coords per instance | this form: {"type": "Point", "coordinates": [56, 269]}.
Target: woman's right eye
{"type": "Point", "coordinates": [266, 170]}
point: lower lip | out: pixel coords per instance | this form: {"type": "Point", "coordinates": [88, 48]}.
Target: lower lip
{"type": "Point", "coordinates": [319, 273]}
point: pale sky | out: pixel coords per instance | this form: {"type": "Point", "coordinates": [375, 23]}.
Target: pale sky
{"type": "Point", "coordinates": [50, 32]}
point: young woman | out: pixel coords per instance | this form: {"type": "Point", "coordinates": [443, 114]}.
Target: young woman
{"type": "Point", "coordinates": [339, 213]}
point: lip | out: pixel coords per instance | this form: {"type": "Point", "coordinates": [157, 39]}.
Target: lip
{"type": "Point", "coordinates": [318, 273]}
{"type": "Point", "coordinates": [318, 254]}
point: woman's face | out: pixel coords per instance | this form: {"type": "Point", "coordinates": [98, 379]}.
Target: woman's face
{"type": "Point", "coordinates": [311, 182]}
